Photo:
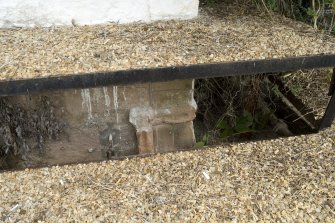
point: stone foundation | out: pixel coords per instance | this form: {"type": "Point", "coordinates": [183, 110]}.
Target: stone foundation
{"type": "Point", "coordinates": [136, 119]}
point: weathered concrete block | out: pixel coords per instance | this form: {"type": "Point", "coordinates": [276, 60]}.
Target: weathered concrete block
{"type": "Point", "coordinates": [144, 118]}
{"type": "Point", "coordinates": [172, 85]}
{"type": "Point", "coordinates": [94, 106]}
{"type": "Point", "coordinates": [120, 138]}
{"type": "Point", "coordinates": [145, 142]}
{"type": "Point", "coordinates": [173, 98]}
{"type": "Point", "coordinates": [141, 118]}
{"type": "Point", "coordinates": [183, 135]}
{"type": "Point", "coordinates": [172, 103]}
{"type": "Point", "coordinates": [164, 138]}
{"type": "Point", "coordinates": [178, 114]}
{"type": "Point", "coordinates": [117, 116]}
{"type": "Point", "coordinates": [133, 96]}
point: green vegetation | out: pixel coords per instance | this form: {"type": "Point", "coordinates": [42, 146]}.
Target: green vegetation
{"type": "Point", "coordinates": [245, 123]}
{"type": "Point", "coordinates": [203, 142]}
{"type": "Point", "coordinates": [319, 13]}
{"type": "Point", "coordinates": [229, 108]}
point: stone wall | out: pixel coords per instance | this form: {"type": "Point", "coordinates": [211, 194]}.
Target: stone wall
{"type": "Point", "coordinates": [134, 119]}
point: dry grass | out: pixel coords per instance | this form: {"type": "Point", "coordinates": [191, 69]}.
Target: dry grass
{"type": "Point", "coordinates": [312, 87]}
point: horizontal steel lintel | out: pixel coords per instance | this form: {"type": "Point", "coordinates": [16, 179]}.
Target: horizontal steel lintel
{"type": "Point", "coordinates": [126, 77]}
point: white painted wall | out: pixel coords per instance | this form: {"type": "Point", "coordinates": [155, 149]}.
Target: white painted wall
{"type": "Point", "coordinates": [30, 13]}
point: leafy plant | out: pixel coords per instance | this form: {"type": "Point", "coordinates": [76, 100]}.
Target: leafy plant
{"type": "Point", "coordinates": [203, 142]}
{"type": "Point", "coordinates": [244, 124]}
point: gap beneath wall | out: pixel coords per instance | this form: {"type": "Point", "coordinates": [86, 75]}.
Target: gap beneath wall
{"type": "Point", "coordinates": [247, 108]}
{"type": "Point", "coordinates": [230, 109]}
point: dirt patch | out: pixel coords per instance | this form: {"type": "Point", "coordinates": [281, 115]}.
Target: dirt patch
{"type": "Point", "coordinates": [23, 130]}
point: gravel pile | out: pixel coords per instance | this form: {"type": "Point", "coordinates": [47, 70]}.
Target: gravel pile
{"type": "Point", "coordinates": [286, 180]}
{"type": "Point", "coordinates": [215, 36]}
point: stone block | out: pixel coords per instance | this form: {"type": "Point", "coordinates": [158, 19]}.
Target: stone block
{"type": "Point", "coordinates": [133, 96]}
{"type": "Point", "coordinates": [183, 135]}
{"type": "Point", "coordinates": [90, 106]}
{"type": "Point", "coordinates": [117, 116]}
{"type": "Point", "coordinates": [83, 105]}
{"type": "Point", "coordinates": [145, 142]}
{"type": "Point", "coordinates": [179, 114]}
{"type": "Point", "coordinates": [171, 98]}
{"type": "Point", "coordinates": [144, 118]}
{"type": "Point", "coordinates": [172, 85]}
{"type": "Point", "coordinates": [120, 138]}
{"type": "Point", "coordinates": [164, 138]}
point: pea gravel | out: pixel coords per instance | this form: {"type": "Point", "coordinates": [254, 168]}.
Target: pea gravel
{"type": "Point", "coordinates": [215, 36]}
{"type": "Point", "coordinates": [285, 180]}
{"type": "Point", "coordinates": [282, 180]}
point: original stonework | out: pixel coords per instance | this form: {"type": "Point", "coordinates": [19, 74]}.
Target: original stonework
{"type": "Point", "coordinates": [127, 120]}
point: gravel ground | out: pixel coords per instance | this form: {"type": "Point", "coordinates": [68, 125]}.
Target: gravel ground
{"type": "Point", "coordinates": [215, 36]}
{"type": "Point", "coordinates": [284, 180]}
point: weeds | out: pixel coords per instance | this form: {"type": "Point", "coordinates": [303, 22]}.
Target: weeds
{"type": "Point", "coordinates": [319, 13]}
{"type": "Point", "coordinates": [229, 107]}
{"type": "Point", "coordinates": [23, 129]}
